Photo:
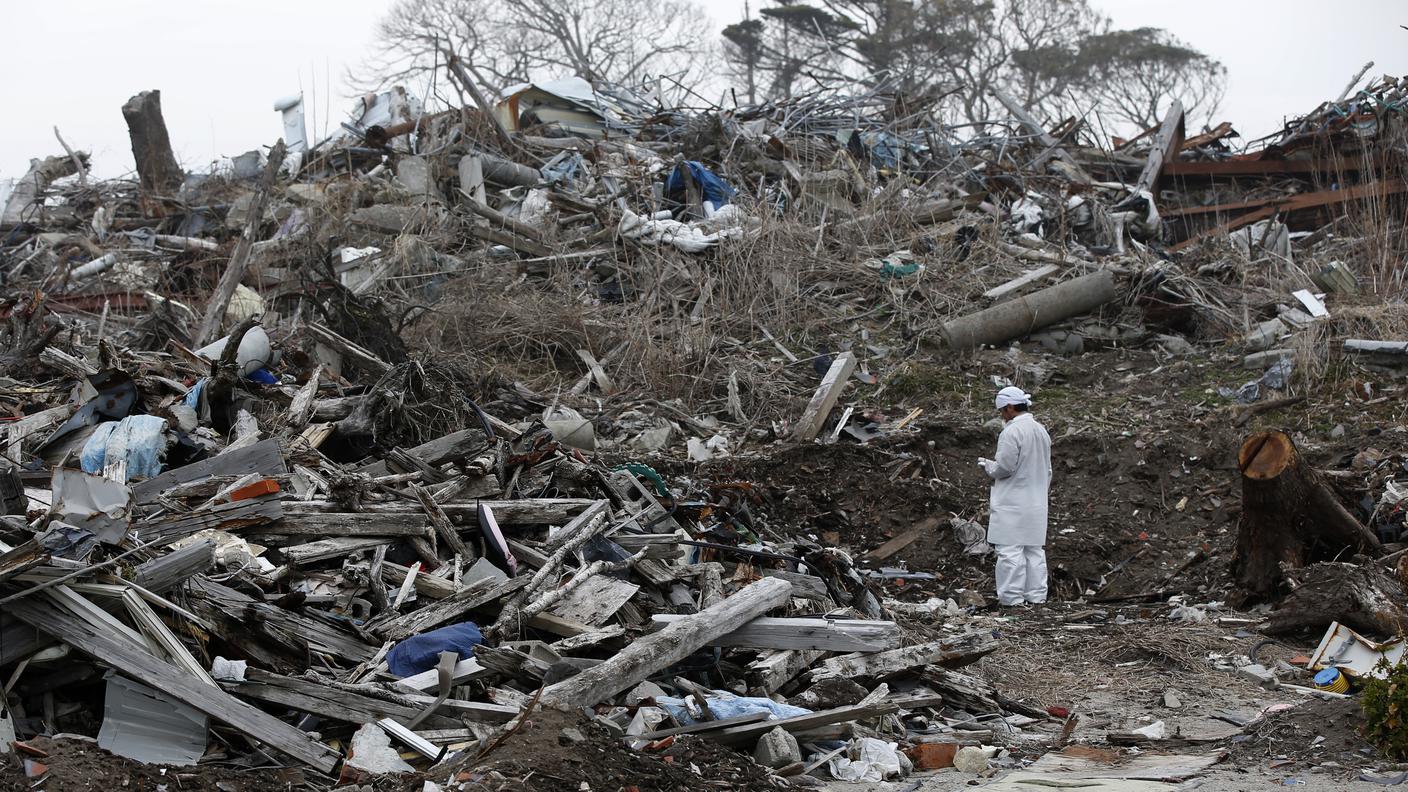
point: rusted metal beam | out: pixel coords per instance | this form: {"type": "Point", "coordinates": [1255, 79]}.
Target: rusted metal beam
{"type": "Point", "coordinates": [1314, 200]}
{"type": "Point", "coordinates": [1244, 167]}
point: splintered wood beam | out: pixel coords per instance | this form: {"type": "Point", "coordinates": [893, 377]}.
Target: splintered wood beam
{"type": "Point", "coordinates": [652, 653]}
{"type": "Point", "coordinates": [834, 635]}
{"type": "Point", "coordinates": [146, 668]}
{"type": "Point", "coordinates": [809, 425]}
{"type": "Point", "coordinates": [1164, 149]}
{"type": "Point", "coordinates": [959, 650]}
{"type": "Point", "coordinates": [461, 602]}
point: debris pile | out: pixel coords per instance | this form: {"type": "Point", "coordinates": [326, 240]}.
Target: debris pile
{"type": "Point", "coordinates": [333, 459]}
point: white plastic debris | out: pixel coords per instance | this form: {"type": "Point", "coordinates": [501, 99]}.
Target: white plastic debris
{"type": "Point", "coordinates": [873, 761]}
{"type": "Point", "coordinates": [1154, 731]}
{"type": "Point", "coordinates": [372, 752]}
{"type": "Point", "coordinates": [228, 670]}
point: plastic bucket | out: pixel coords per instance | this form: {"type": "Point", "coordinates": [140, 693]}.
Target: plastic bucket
{"type": "Point", "coordinates": [1332, 680]}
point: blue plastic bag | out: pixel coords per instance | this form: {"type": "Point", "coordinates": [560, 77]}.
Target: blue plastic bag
{"type": "Point", "coordinates": [420, 653]}
{"type": "Point", "coordinates": [712, 189]}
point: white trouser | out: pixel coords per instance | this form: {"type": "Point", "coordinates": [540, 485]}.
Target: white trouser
{"type": "Point", "coordinates": [1021, 574]}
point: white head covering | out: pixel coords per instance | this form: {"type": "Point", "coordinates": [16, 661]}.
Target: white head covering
{"type": "Point", "coordinates": [1012, 395]}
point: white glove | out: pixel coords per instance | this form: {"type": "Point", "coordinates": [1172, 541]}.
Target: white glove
{"type": "Point", "coordinates": [987, 465]}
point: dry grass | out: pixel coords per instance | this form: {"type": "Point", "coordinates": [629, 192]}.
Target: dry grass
{"type": "Point", "coordinates": [812, 298]}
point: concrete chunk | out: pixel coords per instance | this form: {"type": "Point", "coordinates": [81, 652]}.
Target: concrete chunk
{"type": "Point", "coordinates": [777, 749]}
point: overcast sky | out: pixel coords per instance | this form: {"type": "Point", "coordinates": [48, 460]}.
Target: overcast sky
{"type": "Point", "coordinates": [221, 64]}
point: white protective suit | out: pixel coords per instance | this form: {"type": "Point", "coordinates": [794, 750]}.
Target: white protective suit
{"type": "Point", "coordinates": [1021, 476]}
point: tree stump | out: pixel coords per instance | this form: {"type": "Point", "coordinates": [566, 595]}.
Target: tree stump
{"type": "Point", "coordinates": [151, 146]}
{"type": "Point", "coordinates": [1290, 517]}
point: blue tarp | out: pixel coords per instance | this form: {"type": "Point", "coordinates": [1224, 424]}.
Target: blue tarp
{"type": "Point", "coordinates": [141, 438]}
{"type": "Point", "coordinates": [712, 189]}
{"type": "Point", "coordinates": [727, 705]}
{"type": "Point", "coordinates": [420, 653]}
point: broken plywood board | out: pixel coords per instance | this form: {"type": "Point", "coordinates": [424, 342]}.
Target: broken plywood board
{"type": "Point", "coordinates": [265, 457]}
{"type": "Point", "coordinates": [833, 635]}
{"type": "Point", "coordinates": [595, 601]}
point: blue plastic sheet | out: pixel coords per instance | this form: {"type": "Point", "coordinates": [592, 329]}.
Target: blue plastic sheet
{"type": "Point", "coordinates": [141, 438]}
{"type": "Point", "coordinates": [192, 399]}
{"type": "Point", "coordinates": [712, 189]}
{"type": "Point", "coordinates": [420, 653]}
{"type": "Point", "coordinates": [727, 705]}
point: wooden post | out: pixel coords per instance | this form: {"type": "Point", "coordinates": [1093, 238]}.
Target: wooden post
{"type": "Point", "coordinates": [239, 260]}
{"type": "Point", "coordinates": [651, 653]}
{"type": "Point", "coordinates": [1165, 147]}
{"type": "Point", "coordinates": [151, 146]}
{"type": "Point", "coordinates": [1289, 516]}
{"type": "Point", "coordinates": [825, 398]}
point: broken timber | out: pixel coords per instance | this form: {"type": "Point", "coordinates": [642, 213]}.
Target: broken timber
{"type": "Point", "coordinates": [809, 425]}
{"type": "Point", "coordinates": [651, 653]}
{"type": "Point", "coordinates": [835, 635]}
{"type": "Point", "coordinates": [958, 651]}
{"type": "Point", "coordinates": [149, 670]}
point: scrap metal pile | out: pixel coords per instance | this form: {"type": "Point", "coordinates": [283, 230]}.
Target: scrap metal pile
{"type": "Point", "coordinates": [254, 518]}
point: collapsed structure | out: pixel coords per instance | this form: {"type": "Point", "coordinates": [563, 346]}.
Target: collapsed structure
{"type": "Point", "coordinates": [340, 449]}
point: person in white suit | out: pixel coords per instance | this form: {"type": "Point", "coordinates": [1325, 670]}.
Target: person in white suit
{"type": "Point", "coordinates": [1021, 479]}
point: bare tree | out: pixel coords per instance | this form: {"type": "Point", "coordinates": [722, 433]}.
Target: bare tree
{"type": "Point", "coordinates": [1135, 74]}
{"type": "Point", "coordinates": [1056, 56]}
{"type": "Point", "coordinates": [508, 41]}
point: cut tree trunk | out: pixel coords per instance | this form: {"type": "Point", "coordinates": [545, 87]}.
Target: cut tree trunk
{"type": "Point", "coordinates": [151, 146]}
{"type": "Point", "coordinates": [1290, 518]}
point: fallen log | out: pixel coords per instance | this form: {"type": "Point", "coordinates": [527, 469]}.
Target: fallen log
{"type": "Point", "coordinates": [651, 653]}
{"type": "Point", "coordinates": [1363, 596]}
{"type": "Point", "coordinates": [833, 635]}
{"type": "Point", "coordinates": [1022, 315]}
{"type": "Point", "coordinates": [1290, 517]}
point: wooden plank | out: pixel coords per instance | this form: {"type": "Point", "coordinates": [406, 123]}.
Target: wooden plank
{"type": "Point", "coordinates": [359, 356]}
{"type": "Point", "coordinates": [478, 595]}
{"type": "Point", "coordinates": [241, 608]}
{"type": "Point", "coordinates": [464, 671]}
{"type": "Point", "coordinates": [809, 425]}
{"type": "Point", "coordinates": [526, 511]}
{"type": "Point", "coordinates": [345, 524]}
{"type": "Point", "coordinates": [265, 457]}
{"type": "Point", "coordinates": [832, 635]}
{"type": "Point", "coordinates": [557, 625]}
{"type": "Point", "coordinates": [223, 516]}
{"type": "Point", "coordinates": [956, 650]}
{"type": "Point", "coordinates": [808, 587]}
{"type": "Point", "coordinates": [904, 540]}
{"type": "Point", "coordinates": [749, 733]}
{"type": "Point", "coordinates": [774, 669]}
{"type": "Point", "coordinates": [1025, 279]}
{"type": "Point", "coordinates": [649, 654]}
{"type": "Point", "coordinates": [596, 600]}
{"type": "Point", "coordinates": [147, 669]}
{"type": "Point", "coordinates": [172, 569]}
{"type": "Point", "coordinates": [1034, 127]}
{"type": "Point", "coordinates": [306, 695]}
{"type": "Point", "coordinates": [324, 549]}
{"type": "Point", "coordinates": [1164, 149]}
{"type": "Point", "coordinates": [704, 726]}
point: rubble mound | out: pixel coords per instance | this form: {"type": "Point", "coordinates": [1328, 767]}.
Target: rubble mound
{"type": "Point", "coordinates": [1316, 731]}
{"type": "Point", "coordinates": [540, 757]}
{"type": "Point", "coordinates": [77, 765]}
